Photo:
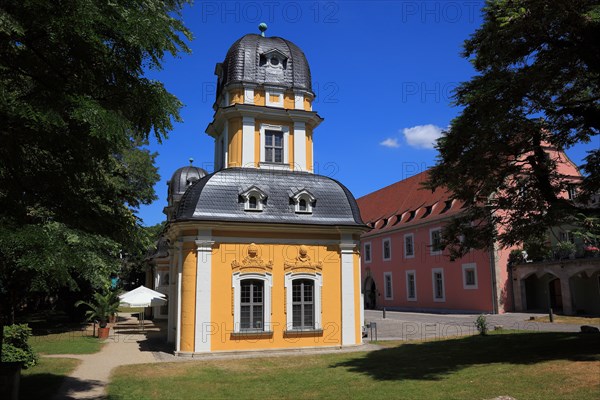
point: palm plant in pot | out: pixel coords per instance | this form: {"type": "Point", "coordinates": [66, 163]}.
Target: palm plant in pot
{"type": "Point", "coordinates": [100, 308]}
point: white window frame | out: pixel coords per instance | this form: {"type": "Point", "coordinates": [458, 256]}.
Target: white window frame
{"type": "Point", "coordinates": [412, 236]}
{"type": "Point", "coordinates": [286, 147]}
{"type": "Point", "coordinates": [572, 191]}
{"type": "Point", "coordinates": [389, 242]}
{"type": "Point", "coordinates": [269, 91]}
{"type": "Point", "coordinates": [431, 251]}
{"type": "Point", "coordinates": [307, 197]}
{"type": "Point", "coordinates": [465, 268]}
{"type": "Point", "coordinates": [433, 281]}
{"type": "Point", "coordinates": [414, 274]}
{"type": "Point", "coordinates": [386, 295]}
{"type": "Point", "coordinates": [236, 280]}
{"type": "Point", "coordinates": [368, 260]}
{"type": "Point", "coordinates": [318, 284]}
{"type": "Point", "coordinates": [260, 196]}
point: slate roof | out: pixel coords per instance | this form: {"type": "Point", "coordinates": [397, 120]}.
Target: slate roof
{"type": "Point", "coordinates": [216, 197]}
{"type": "Point", "coordinates": [184, 177]}
{"type": "Point", "coordinates": [406, 203]}
{"type": "Point", "coordinates": [242, 63]}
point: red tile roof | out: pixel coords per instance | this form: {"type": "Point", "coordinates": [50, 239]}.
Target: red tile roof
{"type": "Point", "coordinates": [406, 203]}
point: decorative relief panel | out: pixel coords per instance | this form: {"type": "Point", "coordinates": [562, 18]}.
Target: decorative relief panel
{"type": "Point", "coordinates": [303, 263]}
{"type": "Point", "coordinates": [252, 262]}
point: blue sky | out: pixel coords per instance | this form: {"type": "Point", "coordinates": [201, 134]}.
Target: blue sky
{"type": "Point", "coordinates": [383, 73]}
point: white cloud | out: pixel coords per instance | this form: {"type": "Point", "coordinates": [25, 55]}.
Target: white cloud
{"type": "Point", "coordinates": [390, 142]}
{"type": "Point", "coordinates": [422, 136]}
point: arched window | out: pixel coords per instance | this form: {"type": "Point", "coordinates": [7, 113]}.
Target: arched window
{"type": "Point", "coordinates": [252, 302]}
{"type": "Point", "coordinates": [303, 304]}
{"type": "Point", "coordinates": [303, 292]}
{"type": "Point", "coordinates": [304, 202]}
{"type": "Point", "coordinates": [302, 205]}
{"type": "Point", "coordinates": [252, 202]}
{"type": "Point", "coordinates": [251, 305]}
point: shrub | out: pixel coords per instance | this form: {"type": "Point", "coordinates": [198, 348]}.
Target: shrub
{"type": "Point", "coordinates": [482, 325]}
{"type": "Point", "coordinates": [15, 347]}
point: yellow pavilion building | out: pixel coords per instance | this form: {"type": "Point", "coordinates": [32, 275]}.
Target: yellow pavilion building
{"type": "Point", "coordinates": [262, 253]}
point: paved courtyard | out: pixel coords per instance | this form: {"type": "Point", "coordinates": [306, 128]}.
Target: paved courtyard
{"type": "Point", "coordinates": [419, 326]}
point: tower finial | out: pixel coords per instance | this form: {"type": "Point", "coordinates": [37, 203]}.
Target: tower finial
{"type": "Point", "coordinates": [262, 27]}
{"type": "Point", "coordinates": [191, 160]}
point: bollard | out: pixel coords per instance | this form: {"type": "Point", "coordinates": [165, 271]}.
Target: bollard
{"type": "Point", "coordinates": [551, 315]}
{"type": "Point", "coordinates": [383, 312]}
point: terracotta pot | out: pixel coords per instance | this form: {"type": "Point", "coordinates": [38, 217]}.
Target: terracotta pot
{"type": "Point", "coordinates": [112, 319]}
{"type": "Point", "coordinates": [103, 333]}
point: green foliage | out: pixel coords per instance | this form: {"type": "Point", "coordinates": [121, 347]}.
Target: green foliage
{"type": "Point", "coordinates": [15, 345]}
{"type": "Point", "coordinates": [537, 85]}
{"type": "Point", "coordinates": [538, 249]}
{"type": "Point", "coordinates": [565, 249]}
{"type": "Point", "coordinates": [76, 111]}
{"type": "Point", "coordinates": [101, 307]}
{"type": "Point", "coordinates": [482, 325]}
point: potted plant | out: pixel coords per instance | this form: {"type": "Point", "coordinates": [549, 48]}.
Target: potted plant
{"type": "Point", "coordinates": [100, 308]}
{"type": "Point", "coordinates": [565, 250]}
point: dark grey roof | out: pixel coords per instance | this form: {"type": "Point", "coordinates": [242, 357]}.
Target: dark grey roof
{"type": "Point", "coordinates": [243, 63]}
{"type": "Point", "coordinates": [183, 178]}
{"type": "Point", "coordinates": [216, 197]}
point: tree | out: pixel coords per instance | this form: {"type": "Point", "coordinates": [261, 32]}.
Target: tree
{"type": "Point", "coordinates": [537, 85]}
{"type": "Point", "coordinates": [76, 110]}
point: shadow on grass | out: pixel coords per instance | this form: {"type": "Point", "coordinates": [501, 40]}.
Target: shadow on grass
{"type": "Point", "coordinates": [434, 360]}
{"type": "Point", "coordinates": [48, 386]}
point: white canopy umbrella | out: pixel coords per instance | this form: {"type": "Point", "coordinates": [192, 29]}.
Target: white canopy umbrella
{"type": "Point", "coordinates": [142, 297]}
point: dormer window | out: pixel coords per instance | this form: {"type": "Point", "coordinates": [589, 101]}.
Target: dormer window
{"type": "Point", "coordinates": [252, 202]}
{"type": "Point", "coordinates": [254, 199]}
{"type": "Point", "coordinates": [303, 202]}
{"type": "Point", "coordinates": [302, 205]}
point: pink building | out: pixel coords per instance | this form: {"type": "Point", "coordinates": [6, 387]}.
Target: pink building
{"type": "Point", "coordinates": [403, 267]}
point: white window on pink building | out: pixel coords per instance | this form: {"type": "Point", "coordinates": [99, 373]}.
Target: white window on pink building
{"type": "Point", "coordinates": [439, 291]}
{"type": "Point", "coordinates": [387, 249]}
{"type": "Point", "coordinates": [435, 241]}
{"type": "Point", "coordinates": [409, 245]}
{"type": "Point", "coordinates": [367, 252]}
{"type": "Point", "coordinates": [411, 285]}
{"type": "Point", "coordinates": [387, 286]}
{"type": "Point", "coordinates": [469, 272]}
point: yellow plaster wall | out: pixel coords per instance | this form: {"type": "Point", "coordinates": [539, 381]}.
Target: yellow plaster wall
{"type": "Point", "coordinates": [256, 145]}
{"type": "Point", "coordinates": [235, 143]}
{"type": "Point", "coordinates": [274, 98]}
{"type": "Point", "coordinates": [236, 96]}
{"type": "Point", "coordinates": [307, 103]}
{"type": "Point", "coordinates": [309, 149]}
{"type": "Point", "coordinates": [259, 97]}
{"type": "Point", "coordinates": [288, 100]}
{"type": "Point", "coordinates": [188, 297]}
{"type": "Point", "coordinates": [222, 297]}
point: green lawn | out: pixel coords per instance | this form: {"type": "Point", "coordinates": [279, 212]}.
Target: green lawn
{"type": "Point", "coordinates": [74, 342]}
{"type": "Point", "coordinates": [43, 380]}
{"type": "Point", "coordinates": [521, 365]}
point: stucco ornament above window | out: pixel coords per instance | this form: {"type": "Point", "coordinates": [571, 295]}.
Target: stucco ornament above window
{"type": "Point", "coordinates": [252, 262]}
{"type": "Point", "coordinates": [303, 263]}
